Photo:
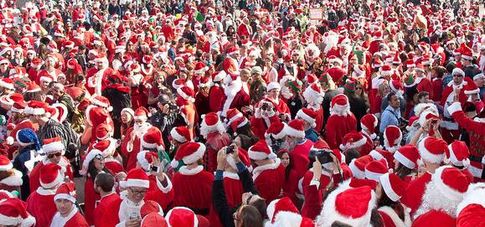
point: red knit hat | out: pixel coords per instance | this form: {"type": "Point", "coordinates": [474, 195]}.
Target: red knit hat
{"type": "Point", "coordinates": [152, 139]}
{"type": "Point", "coordinates": [393, 186]}
{"type": "Point", "coordinates": [296, 128]}
{"type": "Point", "coordinates": [369, 122]}
{"type": "Point", "coordinates": [52, 145]}
{"type": "Point", "coordinates": [181, 217]}
{"type": "Point", "coordinates": [392, 137]}
{"type": "Point", "coordinates": [307, 115]}
{"type": "Point", "coordinates": [277, 130]}
{"type": "Point", "coordinates": [136, 178]}
{"type": "Point", "coordinates": [66, 191]}
{"type": "Point", "coordinates": [14, 213]}
{"type": "Point", "coordinates": [180, 134]}
{"type": "Point", "coordinates": [375, 169]}
{"type": "Point", "coordinates": [408, 155]}
{"type": "Point", "coordinates": [353, 140]}
{"type": "Point", "coordinates": [50, 176]}
{"type": "Point", "coordinates": [261, 151]}
{"type": "Point", "coordinates": [432, 149]}
{"type": "Point", "coordinates": [189, 153]}
{"type": "Point", "coordinates": [458, 154]}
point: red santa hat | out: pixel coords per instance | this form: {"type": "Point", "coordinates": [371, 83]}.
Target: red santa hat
{"type": "Point", "coordinates": [101, 101]}
{"type": "Point", "coordinates": [434, 218]}
{"type": "Point", "coordinates": [307, 115]}
{"type": "Point", "coordinates": [145, 159]}
{"type": "Point", "coordinates": [106, 146]}
{"type": "Point", "coordinates": [7, 83]}
{"type": "Point", "coordinates": [46, 78]}
{"type": "Point", "coordinates": [386, 70]}
{"type": "Point", "coordinates": [61, 113]}
{"type": "Point", "coordinates": [340, 105]}
{"type": "Point", "coordinates": [408, 155]}
{"type": "Point", "coordinates": [230, 66]}
{"type": "Point", "coordinates": [153, 219]}
{"type": "Point", "coordinates": [94, 153]}
{"type": "Point", "coordinates": [136, 178]}
{"type": "Point", "coordinates": [313, 93]}
{"type": "Point", "coordinates": [375, 169]}
{"type": "Point", "coordinates": [14, 213]}
{"type": "Point", "coordinates": [392, 138]}
{"type": "Point", "coordinates": [393, 186]}
{"type": "Point", "coordinates": [369, 122]}
{"type": "Point", "coordinates": [152, 139]}
{"type": "Point", "coordinates": [357, 166]}
{"type": "Point", "coordinates": [458, 154]}
{"type": "Point", "coordinates": [141, 113]}
{"type": "Point", "coordinates": [181, 217]}
{"type": "Point", "coordinates": [282, 212]}
{"type": "Point", "coordinates": [432, 149]}
{"type": "Point", "coordinates": [52, 145]}
{"type": "Point", "coordinates": [147, 59]}
{"type": "Point", "coordinates": [103, 131]}
{"type": "Point", "coordinates": [189, 153]}
{"type": "Point", "coordinates": [200, 68]}
{"type": "Point", "coordinates": [277, 130]}
{"type": "Point", "coordinates": [296, 128]}
{"type": "Point", "coordinates": [261, 151]}
{"type": "Point", "coordinates": [205, 81]}
{"type": "Point", "coordinates": [4, 60]}
{"type": "Point", "coordinates": [128, 111]}
{"type": "Point", "coordinates": [5, 164]}
{"type": "Point", "coordinates": [472, 205]}
{"type": "Point", "coordinates": [232, 115]}
{"type": "Point", "coordinates": [180, 134]}
{"type": "Point", "coordinates": [72, 63]}
{"type": "Point", "coordinates": [186, 93]}
{"type": "Point", "coordinates": [211, 123]}
{"type": "Point", "coordinates": [51, 175]}
{"type": "Point", "coordinates": [352, 206]}
{"type": "Point", "coordinates": [352, 140]}
{"type": "Point", "coordinates": [466, 52]}
{"type": "Point", "coordinates": [66, 191]}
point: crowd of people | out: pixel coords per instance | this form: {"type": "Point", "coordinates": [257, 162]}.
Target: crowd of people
{"type": "Point", "coordinates": [244, 113]}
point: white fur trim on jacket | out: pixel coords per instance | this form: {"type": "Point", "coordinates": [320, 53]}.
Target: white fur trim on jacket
{"type": "Point", "coordinates": [398, 222]}
{"type": "Point", "coordinates": [231, 91]}
{"type": "Point", "coordinates": [15, 221]}
{"type": "Point", "coordinates": [474, 195]}
{"type": "Point", "coordinates": [455, 107]}
{"type": "Point", "coordinates": [166, 189]}
{"type": "Point", "coordinates": [186, 171]}
{"type": "Point", "coordinates": [259, 169]}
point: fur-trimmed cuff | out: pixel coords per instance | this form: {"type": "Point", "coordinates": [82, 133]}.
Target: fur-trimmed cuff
{"type": "Point", "coordinates": [167, 188]}
{"type": "Point", "coordinates": [455, 107]}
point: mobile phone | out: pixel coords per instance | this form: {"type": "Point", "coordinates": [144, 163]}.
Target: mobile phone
{"type": "Point", "coordinates": [154, 168]}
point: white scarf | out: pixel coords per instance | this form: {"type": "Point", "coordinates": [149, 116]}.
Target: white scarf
{"type": "Point", "coordinates": [59, 221]}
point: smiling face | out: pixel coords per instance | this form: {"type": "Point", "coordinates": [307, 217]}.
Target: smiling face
{"type": "Point", "coordinates": [64, 206]}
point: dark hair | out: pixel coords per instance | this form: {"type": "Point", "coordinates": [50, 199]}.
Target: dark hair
{"type": "Point", "coordinates": [403, 171]}
{"type": "Point", "coordinates": [251, 217]}
{"type": "Point", "coordinates": [422, 94]}
{"type": "Point", "coordinates": [260, 205]}
{"type": "Point", "coordinates": [375, 219]}
{"type": "Point", "coordinates": [351, 154]}
{"type": "Point", "coordinates": [390, 95]}
{"type": "Point", "coordinates": [396, 206]}
{"type": "Point", "coordinates": [106, 181]}
{"type": "Point", "coordinates": [339, 224]}
{"type": "Point", "coordinates": [92, 171]}
{"type": "Point", "coordinates": [290, 166]}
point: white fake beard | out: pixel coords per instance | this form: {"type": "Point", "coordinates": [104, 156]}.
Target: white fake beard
{"type": "Point", "coordinates": [265, 113]}
{"type": "Point", "coordinates": [286, 93]}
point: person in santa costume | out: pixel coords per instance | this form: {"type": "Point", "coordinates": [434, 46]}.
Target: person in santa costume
{"type": "Point", "coordinates": [298, 146]}
{"type": "Point", "coordinates": [313, 96]}
{"type": "Point", "coordinates": [110, 200]}
{"type": "Point", "coordinates": [216, 92]}
{"type": "Point", "coordinates": [49, 70]}
{"type": "Point", "coordinates": [432, 151]}
{"type": "Point", "coordinates": [53, 151]}
{"type": "Point", "coordinates": [273, 95]}
{"type": "Point", "coordinates": [67, 214]}
{"type": "Point", "coordinates": [392, 138]}
{"type": "Point", "coordinates": [265, 114]}
{"type": "Point", "coordinates": [444, 192]}
{"type": "Point", "coordinates": [96, 77]}
{"type": "Point", "coordinates": [368, 124]}
{"type": "Point", "coordinates": [477, 137]}
{"type": "Point", "coordinates": [133, 199]}
{"type": "Point", "coordinates": [449, 128]}
{"type": "Point", "coordinates": [28, 153]}
{"type": "Point", "coordinates": [357, 141]}
{"type": "Point", "coordinates": [406, 162]}
{"type": "Point", "coordinates": [340, 122]}
{"type": "Point", "coordinates": [14, 213]}
{"type": "Point", "coordinates": [471, 206]}
{"type": "Point", "coordinates": [283, 211]}
{"type": "Point", "coordinates": [131, 143]}
{"type": "Point", "coordinates": [192, 184]}
{"type": "Point", "coordinates": [11, 179]}
{"type": "Point", "coordinates": [160, 189]}
{"type": "Point", "coordinates": [185, 101]}
{"type": "Point", "coordinates": [268, 172]}
{"type": "Point", "coordinates": [112, 160]}
{"type": "Point", "coordinates": [41, 201]}
{"type": "Point", "coordinates": [390, 209]}
{"type": "Point", "coordinates": [214, 133]}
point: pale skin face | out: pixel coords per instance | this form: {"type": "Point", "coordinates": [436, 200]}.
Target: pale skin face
{"type": "Point", "coordinates": [55, 157]}
{"type": "Point", "coordinates": [64, 206]}
{"type": "Point", "coordinates": [136, 194]}
{"type": "Point", "coordinates": [126, 118]}
{"type": "Point", "coordinates": [285, 160]}
{"type": "Point", "coordinates": [99, 163]}
{"type": "Point", "coordinates": [457, 79]}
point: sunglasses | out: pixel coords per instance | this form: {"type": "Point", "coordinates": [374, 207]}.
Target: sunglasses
{"type": "Point", "coordinates": [457, 75]}
{"type": "Point", "coordinates": [52, 155]}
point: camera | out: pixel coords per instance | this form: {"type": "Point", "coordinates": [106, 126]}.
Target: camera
{"type": "Point", "coordinates": [154, 168]}
{"type": "Point", "coordinates": [265, 107]}
{"type": "Point", "coordinates": [230, 149]}
{"type": "Point", "coordinates": [322, 155]}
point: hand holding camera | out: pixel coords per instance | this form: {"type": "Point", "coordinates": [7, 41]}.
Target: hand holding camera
{"type": "Point", "coordinates": [221, 158]}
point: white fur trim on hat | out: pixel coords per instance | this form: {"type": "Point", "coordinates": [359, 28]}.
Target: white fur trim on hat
{"type": "Point", "coordinates": [273, 85]}
{"type": "Point", "coordinates": [54, 146]}
{"type": "Point", "coordinates": [353, 145]}
{"type": "Point", "coordinates": [6, 85]}
{"type": "Point", "coordinates": [301, 114]}
{"type": "Point", "coordinates": [34, 111]}
{"type": "Point", "coordinates": [14, 180]}
{"type": "Point", "coordinates": [340, 110]}
{"type": "Point", "coordinates": [185, 96]}
{"type": "Point", "coordinates": [194, 157]}
{"type": "Point", "coordinates": [176, 136]}
{"type": "Point", "coordinates": [89, 157]}
{"type": "Point", "coordinates": [442, 187]}
{"type": "Point", "coordinates": [311, 96]}
{"type": "Point", "coordinates": [386, 185]}
{"type": "Point", "coordinates": [59, 179]}
{"type": "Point", "coordinates": [293, 132]}
{"type": "Point", "coordinates": [404, 161]}
{"type": "Point", "coordinates": [428, 156]}
{"type": "Point", "coordinates": [7, 167]}
{"type": "Point", "coordinates": [356, 172]}
{"type": "Point", "coordinates": [465, 162]}
{"type": "Point", "coordinates": [65, 196]}
{"type": "Point", "coordinates": [140, 157]}
{"type": "Point", "coordinates": [135, 183]}
{"type": "Point", "coordinates": [474, 195]}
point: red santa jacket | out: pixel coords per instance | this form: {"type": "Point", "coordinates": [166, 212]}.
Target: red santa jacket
{"type": "Point", "coordinates": [260, 125]}
{"type": "Point", "coordinates": [90, 200]}
{"type": "Point", "coordinates": [158, 193]}
{"type": "Point", "coordinates": [73, 219]}
{"type": "Point", "coordinates": [215, 141]}
{"type": "Point", "coordinates": [269, 179]}
{"type": "Point", "coordinates": [233, 189]}
{"type": "Point", "coordinates": [193, 189]}
{"type": "Point", "coordinates": [336, 128]}
{"type": "Point", "coordinates": [391, 219]}
{"type": "Point", "coordinates": [413, 196]}
{"type": "Point", "coordinates": [216, 98]}
{"type": "Point", "coordinates": [96, 80]}
{"type": "Point", "coordinates": [104, 215]}
{"type": "Point", "coordinates": [40, 204]}
{"type": "Point", "coordinates": [424, 84]}
{"type": "Point", "coordinates": [299, 157]}
{"type": "Point", "coordinates": [130, 147]}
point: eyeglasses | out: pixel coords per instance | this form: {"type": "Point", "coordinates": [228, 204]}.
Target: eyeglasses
{"type": "Point", "coordinates": [52, 155]}
{"type": "Point", "coordinates": [457, 75]}
{"type": "Point", "coordinates": [141, 192]}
